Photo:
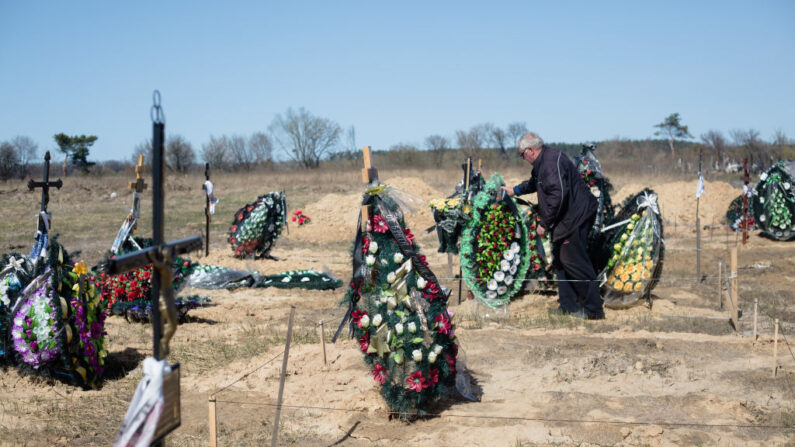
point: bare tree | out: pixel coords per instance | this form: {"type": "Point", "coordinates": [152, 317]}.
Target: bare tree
{"type": "Point", "coordinates": [179, 153]}
{"type": "Point", "coordinates": [715, 141]}
{"type": "Point", "coordinates": [143, 148]}
{"type": "Point", "coordinates": [9, 160]}
{"type": "Point", "coordinates": [26, 152]}
{"type": "Point", "coordinates": [260, 148]}
{"type": "Point", "coordinates": [215, 153]}
{"type": "Point", "coordinates": [672, 128]}
{"type": "Point", "coordinates": [238, 153]}
{"type": "Point", "coordinates": [473, 139]}
{"type": "Point", "coordinates": [780, 138]}
{"type": "Point", "coordinates": [515, 131]}
{"type": "Point", "coordinates": [438, 145]}
{"type": "Point", "coordinates": [304, 137]}
{"type": "Point", "coordinates": [748, 138]}
{"type": "Point", "coordinates": [498, 138]}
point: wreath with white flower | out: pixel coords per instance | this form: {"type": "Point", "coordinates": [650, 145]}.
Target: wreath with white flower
{"type": "Point", "coordinates": [398, 311]}
{"type": "Point", "coordinates": [774, 202]}
{"type": "Point", "coordinates": [494, 247]}
{"type": "Point", "coordinates": [257, 226]}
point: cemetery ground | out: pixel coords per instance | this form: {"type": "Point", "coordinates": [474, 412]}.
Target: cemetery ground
{"type": "Point", "coordinates": [675, 374]}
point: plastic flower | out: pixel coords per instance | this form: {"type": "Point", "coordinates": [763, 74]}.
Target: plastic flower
{"type": "Point", "coordinates": [380, 373]}
{"type": "Point", "coordinates": [432, 357]}
{"type": "Point", "coordinates": [398, 258]}
{"type": "Point", "coordinates": [373, 247]}
{"type": "Point", "coordinates": [415, 381]}
{"type": "Point", "coordinates": [356, 316]}
{"type": "Point", "coordinates": [379, 224]}
{"type": "Point", "coordinates": [364, 322]}
{"type": "Point", "coordinates": [377, 319]}
{"type": "Point", "coordinates": [433, 376]}
{"type": "Point", "coordinates": [442, 324]}
{"type": "Point", "coordinates": [369, 260]}
{"type": "Point", "coordinates": [364, 341]}
{"type": "Point", "coordinates": [80, 268]}
{"type": "Point", "coordinates": [416, 355]}
{"type": "Point", "coordinates": [409, 236]}
{"type": "Point", "coordinates": [421, 282]}
{"type": "Point", "coordinates": [399, 328]}
{"type": "Point", "coordinates": [390, 278]}
{"type": "Point", "coordinates": [412, 327]}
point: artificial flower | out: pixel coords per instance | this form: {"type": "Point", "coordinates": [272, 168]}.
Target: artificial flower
{"type": "Point", "coordinates": [505, 265]}
{"type": "Point", "coordinates": [433, 376]}
{"type": "Point", "coordinates": [415, 381]}
{"type": "Point", "coordinates": [508, 280]}
{"type": "Point", "coordinates": [437, 349]}
{"type": "Point", "coordinates": [412, 327]}
{"type": "Point", "coordinates": [369, 260]}
{"type": "Point", "coordinates": [509, 255]}
{"type": "Point", "coordinates": [364, 341]}
{"type": "Point", "coordinates": [379, 224]}
{"type": "Point", "coordinates": [399, 328]}
{"type": "Point", "coordinates": [380, 373]}
{"type": "Point", "coordinates": [432, 357]}
{"type": "Point", "coordinates": [391, 303]}
{"type": "Point", "coordinates": [501, 290]}
{"type": "Point", "coordinates": [421, 282]}
{"type": "Point", "coordinates": [499, 275]}
{"type": "Point", "coordinates": [373, 247]}
{"type": "Point", "coordinates": [356, 317]}
{"type": "Point", "coordinates": [80, 268]}
{"type": "Point", "coordinates": [442, 324]}
{"type": "Point", "coordinates": [364, 322]}
{"type": "Point", "coordinates": [377, 319]}
{"type": "Point", "coordinates": [416, 355]}
{"type": "Point", "coordinates": [390, 278]}
{"type": "Point", "coordinates": [492, 285]}
{"type": "Point", "coordinates": [398, 258]}
{"type": "Point", "coordinates": [409, 236]}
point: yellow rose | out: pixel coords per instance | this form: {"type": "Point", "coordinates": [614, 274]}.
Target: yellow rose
{"type": "Point", "coordinates": [638, 287]}
{"type": "Point", "coordinates": [628, 287]}
{"type": "Point", "coordinates": [618, 285]}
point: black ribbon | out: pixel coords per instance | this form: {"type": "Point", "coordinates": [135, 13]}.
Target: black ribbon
{"type": "Point", "coordinates": [357, 274]}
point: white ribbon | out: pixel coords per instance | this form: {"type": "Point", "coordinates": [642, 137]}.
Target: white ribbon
{"type": "Point", "coordinates": [208, 188]}
{"type": "Point", "coordinates": [144, 412]}
{"type": "Point", "coordinates": [648, 201]}
{"type": "Point", "coordinates": [15, 263]}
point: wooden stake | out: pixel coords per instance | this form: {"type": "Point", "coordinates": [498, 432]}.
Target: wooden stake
{"type": "Point", "coordinates": [323, 340]}
{"type": "Point", "coordinates": [275, 436]}
{"type": "Point", "coordinates": [720, 285]}
{"type": "Point", "coordinates": [735, 296]}
{"type": "Point", "coordinates": [775, 347]}
{"type": "Point", "coordinates": [213, 424]}
{"type": "Point", "coordinates": [756, 303]}
{"type": "Point", "coordinates": [368, 175]}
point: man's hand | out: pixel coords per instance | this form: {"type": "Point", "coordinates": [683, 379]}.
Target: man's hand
{"type": "Point", "coordinates": [541, 231]}
{"type": "Point", "coordinates": [508, 190]}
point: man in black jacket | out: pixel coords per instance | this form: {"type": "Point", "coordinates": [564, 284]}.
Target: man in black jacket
{"type": "Point", "coordinates": [567, 210]}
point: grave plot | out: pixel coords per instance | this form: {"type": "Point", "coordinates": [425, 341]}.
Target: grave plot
{"type": "Point", "coordinates": [396, 308]}
{"type": "Point", "coordinates": [257, 226]}
{"type": "Point", "coordinates": [218, 277]}
{"type": "Point", "coordinates": [495, 247]}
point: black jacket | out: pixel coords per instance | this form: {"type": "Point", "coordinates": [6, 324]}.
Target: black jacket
{"type": "Point", "coordinates": [564, 201]}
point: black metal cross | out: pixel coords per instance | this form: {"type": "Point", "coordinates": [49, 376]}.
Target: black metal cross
{"type": "Point", "coordinates": [45, 185]}
{"type": "Point", "coordinates": [160, 255]}
{"type": "Point", "coordinates": [206, 209]}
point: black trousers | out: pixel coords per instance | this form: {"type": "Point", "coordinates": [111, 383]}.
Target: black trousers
{"type": "Point", "coordinates": [571, 262]}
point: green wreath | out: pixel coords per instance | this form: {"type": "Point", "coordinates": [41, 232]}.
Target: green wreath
{"type": "Point", "coordinates": [494, 247]}
{"type": "Point", "coordinates": [774, 203]}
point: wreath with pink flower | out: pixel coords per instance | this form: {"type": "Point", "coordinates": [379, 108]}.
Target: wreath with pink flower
{"type": "Point", "coordinates": [398, 312]}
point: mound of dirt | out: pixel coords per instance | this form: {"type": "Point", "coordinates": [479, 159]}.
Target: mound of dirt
{"type": "Point", "coordinates": [678, 200]}
{"type": "Point", "coordinates": [334, 216]}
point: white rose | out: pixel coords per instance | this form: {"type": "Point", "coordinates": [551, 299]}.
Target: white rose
{"type": "Point", "coordinates": [365, 321]}
{"type": "Point", "coordinates": [595, 191]}
{"type": "Point", "coordinates": [412, 327]}
{"type": "Point", "coordinates": [763, 176]}
{"type": "Point", "coordinates": [390, 278]}
{"type": "Point", "coordinates": [391, 303]}
{"type": "Point", "coordinates": [786, 185]}
{"type": "Point", "coordinates": [762, 218]}
{"type": "Point", "coordinates": [399, 328]}
{"type": "Point", "coordinates": [431, 357]}
{"type": "Point", "coordinates": [373, 247]}
{"type": "Point", "coordinates": [421, 283]}
{"type": "Point", "coordinates": [416, 355]}
{"type": "Point", "coordinates": [437, 349]}
{"type": "Point", "coordinates": [398, 257]}
{"type": "Point", "coordinates": [369, 260]}
{"type": "Point", "coordinates": [377, 320]}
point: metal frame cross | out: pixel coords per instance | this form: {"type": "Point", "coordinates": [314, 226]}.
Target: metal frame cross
{"type": "Point", "coordinates": [161, 255]}
{"type": "Point", "coordinates": [45, 185]}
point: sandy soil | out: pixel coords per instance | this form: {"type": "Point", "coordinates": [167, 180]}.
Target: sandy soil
{"type": "Point", "coordinates": [675, 374]}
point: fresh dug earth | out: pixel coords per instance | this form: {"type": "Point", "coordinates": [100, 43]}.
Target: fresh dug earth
{"type": "Point", "coordinates": [675, 374]}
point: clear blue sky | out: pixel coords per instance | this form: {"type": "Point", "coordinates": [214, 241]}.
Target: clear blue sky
{"type": "Point", "coordinates": [397, 71]}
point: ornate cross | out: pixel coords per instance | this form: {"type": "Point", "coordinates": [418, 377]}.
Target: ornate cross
{"type": "Point", "coordinates": [45, 185]}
